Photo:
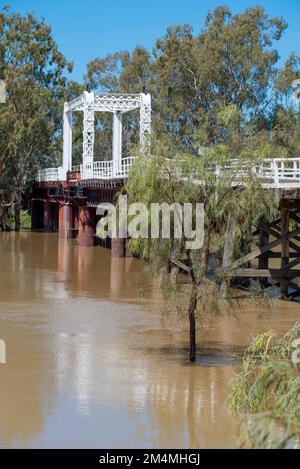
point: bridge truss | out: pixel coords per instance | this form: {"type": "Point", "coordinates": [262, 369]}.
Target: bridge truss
{"type": "Point", "coordinates": [117, 104]}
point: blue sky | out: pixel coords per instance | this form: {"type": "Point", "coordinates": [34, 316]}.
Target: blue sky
{"type": "Point", "coordinates": [85, 29]}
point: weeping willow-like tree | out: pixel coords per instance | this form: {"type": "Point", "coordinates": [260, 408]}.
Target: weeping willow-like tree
{"type": "Point", "coordinates": [266, 392]}
{"type": "Point", "coordinates": [233, 203]}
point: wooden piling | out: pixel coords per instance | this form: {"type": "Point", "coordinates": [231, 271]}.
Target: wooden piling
{"type": "Point", "coordinates": [86, 227]}
{"type": "Point", "coordinates": [285, 248]}
{"type": "Point", "coordinates": [263, 261]}
{"type": "Point", "coordinates": [118, 247]}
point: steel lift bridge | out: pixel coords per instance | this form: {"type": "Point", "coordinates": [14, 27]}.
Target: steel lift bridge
{"type": "Point", "coordinates": [88, 104]}
{"type": "Point", "coordinates": [65, 199]}
{"type": "Point", "coordinates": [274, 173]}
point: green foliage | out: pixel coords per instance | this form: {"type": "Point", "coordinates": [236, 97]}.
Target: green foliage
{"type": "Point", "coordinates": [232, 199]}
{"type": "Point", "coordinates": [30, 121]}
{"type": "Point", "coordinates": [161, 179]}
{"type": "Point", "coordinates": [25, 220]}
{"type": "Point", "coordinates": [268, 388]}
{"type": "Point", "coordinates": [230, 66]}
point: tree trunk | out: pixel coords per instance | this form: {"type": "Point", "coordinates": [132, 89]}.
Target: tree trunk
{"type": "Point", "coordinates": [17, 217]}
{"type": "Point", "coordinates": [4, 225]}
{"type": "Point", "coordinates": [192, 319]}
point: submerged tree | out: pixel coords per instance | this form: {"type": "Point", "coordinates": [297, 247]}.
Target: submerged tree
{"type": "Point", "coordinates": [233, 202]}
{"type": "Point", "coordinates": [266, 392]}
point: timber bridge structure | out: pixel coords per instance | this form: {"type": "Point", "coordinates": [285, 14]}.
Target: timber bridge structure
{"type": "Point", "coordinates": [65, 199]}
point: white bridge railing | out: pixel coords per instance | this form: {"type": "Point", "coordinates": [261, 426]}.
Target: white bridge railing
{"type": "Point", "coordinates": [49, 174]}
{"type": "Point", "coordinates": [106, 169]}
{"type": "Point", "coordinates": [276, 172]}
{"type": "Point", "coordinates": [279, 170]}
{"type": "Point", "coordinates": [95, 170]}
{"type": "Point", "coordinates": [273, 173]}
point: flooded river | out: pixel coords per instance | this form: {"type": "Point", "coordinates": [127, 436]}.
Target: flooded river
{"type": "Point", "coordinates": [90, 364]}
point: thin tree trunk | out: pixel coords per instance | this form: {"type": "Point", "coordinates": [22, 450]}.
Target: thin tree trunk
{"type": "Point", "coordinates": [192, 320]}
{"type": "Point", "coordinates": [17, 217]}
{"type": "Point", "coordinates": [4, 224]}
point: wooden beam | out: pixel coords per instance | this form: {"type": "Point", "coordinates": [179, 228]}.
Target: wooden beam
{"type": "Point", "coordinates": [274, 224]}
{"type": "Point", "coordinates": [270, 273]}
{"type": "Point", "coordinates": [277, 235]}
{"type": "Point", "coordinates": [227, 253]}
{"type": "Point", "coordinates": [289, 204]}
{"type": "Point", "coordinates": [294, 294]}
{"type": "Point", "coordinates": [263, 261]}
{"type": "Point", "coordinates": [264, 240]}
{"type": "Point", "coordinates": [295, 217]}
{"type": "Point", "coordinates": [291, 285]}
{"type": "Point", "coordinates": [292, 264]}
{"type": "Point", "coordinates": [277, 255]}
{"type": "Point", "coordinates": [180, 265]}
{"type": "Point", "coordinates": [258, 252]}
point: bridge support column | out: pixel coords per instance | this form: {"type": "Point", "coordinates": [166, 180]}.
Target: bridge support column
{"type": "Point", "coordinates": [145, 123]}
{"type": "Point", "coordinates": [67, 142]}
{"type": "Point", "coordinates": [285, 248]}
{"type": "Point", "coordinates": [47, 217]}
{"type": "Point", "coordinates": [88, 129]}
{"type": "Point", "coordinates": [118, 248]}
{"type": "Point", "coordinates": [117, 143]}
{"type": "Point", "coordinates": [50, 217]}
{"type": "Point", "coordinates": [86, 227]}
{"type": "Point", "coordinates": [263, 261]}
{"type": "Point", "coordinates": [37, 215]}
{"type": "Point", "coordinates": [65, 221]}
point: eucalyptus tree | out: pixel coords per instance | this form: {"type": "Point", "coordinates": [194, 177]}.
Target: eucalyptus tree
{"type": "Point", "coordinates": [33, 70]}
{"type": "Point", "coordinates": [231, 61]}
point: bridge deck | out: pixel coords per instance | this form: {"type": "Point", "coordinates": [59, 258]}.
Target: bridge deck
{"type": "Point", "coordinates": [276, 173]}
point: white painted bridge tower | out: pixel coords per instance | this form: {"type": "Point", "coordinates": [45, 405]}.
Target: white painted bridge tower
{"type": "Point", "coordinates": [117, 104]}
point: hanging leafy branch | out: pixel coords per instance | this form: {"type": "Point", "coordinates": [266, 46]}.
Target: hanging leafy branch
{"type": "Point", "coordinates": [268, 390]}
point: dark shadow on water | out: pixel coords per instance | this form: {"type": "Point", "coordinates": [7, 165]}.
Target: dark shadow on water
{"type": "Point", "coordinates": [208, 354]}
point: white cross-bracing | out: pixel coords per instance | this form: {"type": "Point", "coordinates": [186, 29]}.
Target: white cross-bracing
{"type": "Point", "coordinates": [117, 104]}
{"type": "Point", "coordinates": [88, 128]}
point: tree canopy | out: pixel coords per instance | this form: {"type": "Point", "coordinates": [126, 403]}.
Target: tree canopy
{"type": "Point", "coordinates": [33, 70]}
{"type": "Point", "coordinates": [231, 62]}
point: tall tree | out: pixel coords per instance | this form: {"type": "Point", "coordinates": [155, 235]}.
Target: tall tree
{"type": "Point", "coordinates": [33, 70]}
{"type": "Point", "coordinates": [232, 61]}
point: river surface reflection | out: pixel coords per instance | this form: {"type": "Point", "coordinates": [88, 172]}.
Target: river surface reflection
{"type": "Point", "coordinates": [89, 363]}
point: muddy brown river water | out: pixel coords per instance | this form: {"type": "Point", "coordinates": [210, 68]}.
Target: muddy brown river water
{"type": "Point", "coordinates": [90, 363]}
